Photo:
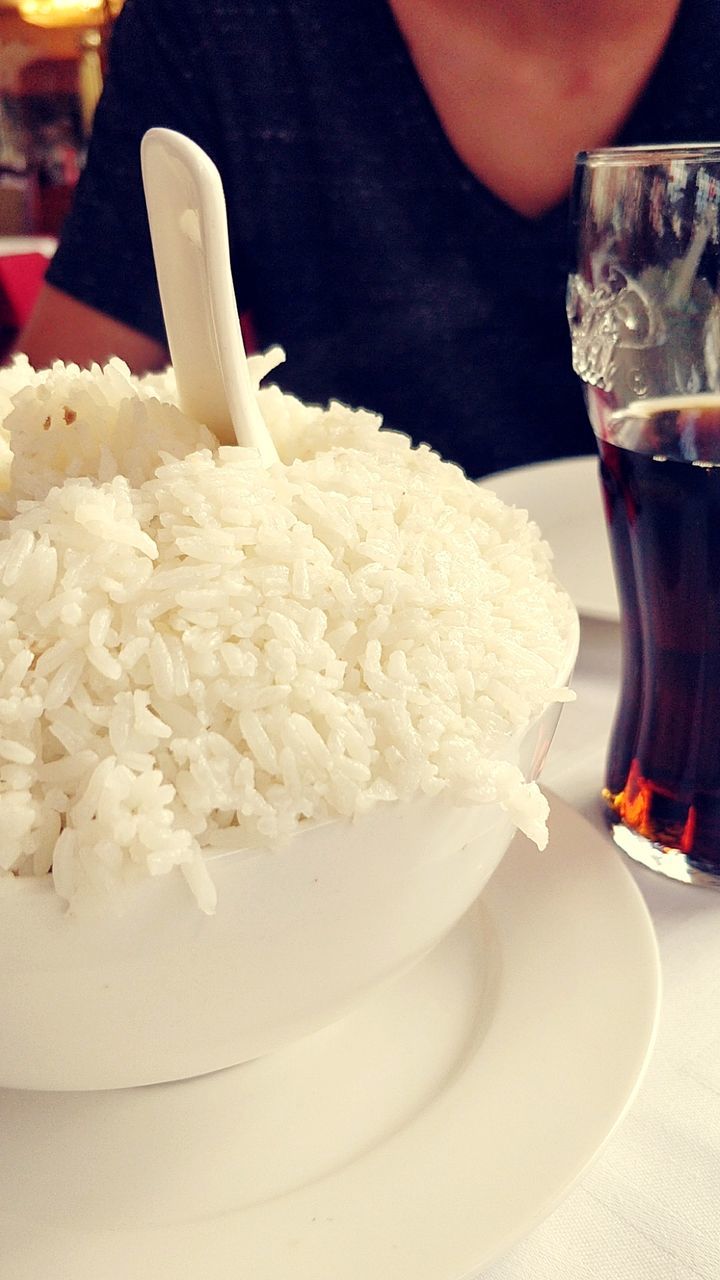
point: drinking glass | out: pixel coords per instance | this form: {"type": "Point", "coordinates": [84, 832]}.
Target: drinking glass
{"type": "Point", "coordinates": [644, 317]}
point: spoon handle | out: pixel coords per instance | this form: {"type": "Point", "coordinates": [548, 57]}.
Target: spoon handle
{"type": "Point", "coordinates": [188, 226]}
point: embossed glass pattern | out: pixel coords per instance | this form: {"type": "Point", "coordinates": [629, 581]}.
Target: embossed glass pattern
{"type": "Point", "coordinates": [644, 316]}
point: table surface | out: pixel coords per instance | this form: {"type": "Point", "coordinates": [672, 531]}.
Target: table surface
{"type": "Point", "coordinates": [649, 1208]}
{"type": "Point", "coordinates": [11, 246]}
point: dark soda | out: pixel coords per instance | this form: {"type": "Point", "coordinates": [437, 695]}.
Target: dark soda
{"type": "Point", "coordinates": [660, 469]}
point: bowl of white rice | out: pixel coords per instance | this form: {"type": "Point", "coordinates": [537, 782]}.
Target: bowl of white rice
{"type": "Point", "coordinates": [264, 733]}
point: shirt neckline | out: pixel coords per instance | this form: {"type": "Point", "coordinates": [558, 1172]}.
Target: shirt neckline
{"type": "Point", "coordinates": [555, 219]}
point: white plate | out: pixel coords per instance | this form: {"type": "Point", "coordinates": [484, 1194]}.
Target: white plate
{"type": "Point", "coordinates": [419, 1138]}
{"type": "Point", "coordinates": [563, 497]}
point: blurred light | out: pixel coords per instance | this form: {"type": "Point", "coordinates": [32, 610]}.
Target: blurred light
{"type": "Point", "coordinates": [95, 18]}
{"type": "Point", "coordinates": [68, 13]}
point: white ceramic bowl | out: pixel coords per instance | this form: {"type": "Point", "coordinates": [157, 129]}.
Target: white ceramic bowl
{"type": "Point", "coordinates": [161, 991]}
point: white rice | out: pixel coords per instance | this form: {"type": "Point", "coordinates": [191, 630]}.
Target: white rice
{"type": "Point", "coordinates": [198, 654]}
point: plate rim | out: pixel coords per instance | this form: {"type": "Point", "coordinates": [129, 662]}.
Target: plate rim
{"type": "Point", "coordinates": [582, 465]}
{"type": "Point", "coordinates": [325, 1211]}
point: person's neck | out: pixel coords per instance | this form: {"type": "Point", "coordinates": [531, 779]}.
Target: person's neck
{"type": "Point", "coordinates": [520, 86]}
{"type": "Point", "coordinates": [544, 24]}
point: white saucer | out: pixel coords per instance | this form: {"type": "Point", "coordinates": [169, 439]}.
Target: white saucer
{"type": "Point", "coordinates": [563, 497]}
{"type": "Point", "coordinates": [415, 1140]}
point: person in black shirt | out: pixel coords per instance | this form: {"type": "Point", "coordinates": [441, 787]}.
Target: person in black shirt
{"type": "Point", "coordinates": [397, 179]}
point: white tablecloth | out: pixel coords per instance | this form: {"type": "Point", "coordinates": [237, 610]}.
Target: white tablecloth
{"type": "Point", "coordinates": [649, 1209]}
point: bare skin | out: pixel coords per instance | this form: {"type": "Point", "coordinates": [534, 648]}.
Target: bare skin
{"type": "Point", "coordinates": [61, 328]}
{"type": "Point", "coordinates": [519, 87]}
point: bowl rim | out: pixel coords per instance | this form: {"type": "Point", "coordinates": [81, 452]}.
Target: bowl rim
{"type": "Point", "coordinates": [12, 884]}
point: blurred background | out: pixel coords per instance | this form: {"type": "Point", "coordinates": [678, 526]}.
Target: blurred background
{"type": "Point", "coordinates": [52, 55]}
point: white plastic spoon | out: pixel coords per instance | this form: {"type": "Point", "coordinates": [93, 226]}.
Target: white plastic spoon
{"type": "Point", "coordinates": [188, 225]}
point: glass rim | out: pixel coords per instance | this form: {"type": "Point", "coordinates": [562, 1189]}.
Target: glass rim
{"type": "Point", "coordinates": [649, 153]}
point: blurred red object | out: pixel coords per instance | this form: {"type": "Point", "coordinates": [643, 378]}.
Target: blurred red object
{"type": "Point", "coordinates": [21, 275]}
{"type": "Point", "coordinates": [247, 329]}
{"type": "Point", "coordinates": [20, 280]}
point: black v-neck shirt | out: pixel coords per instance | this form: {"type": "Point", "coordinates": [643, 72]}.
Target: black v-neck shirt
{"type": "Point", "coordinates": [361, 242]}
